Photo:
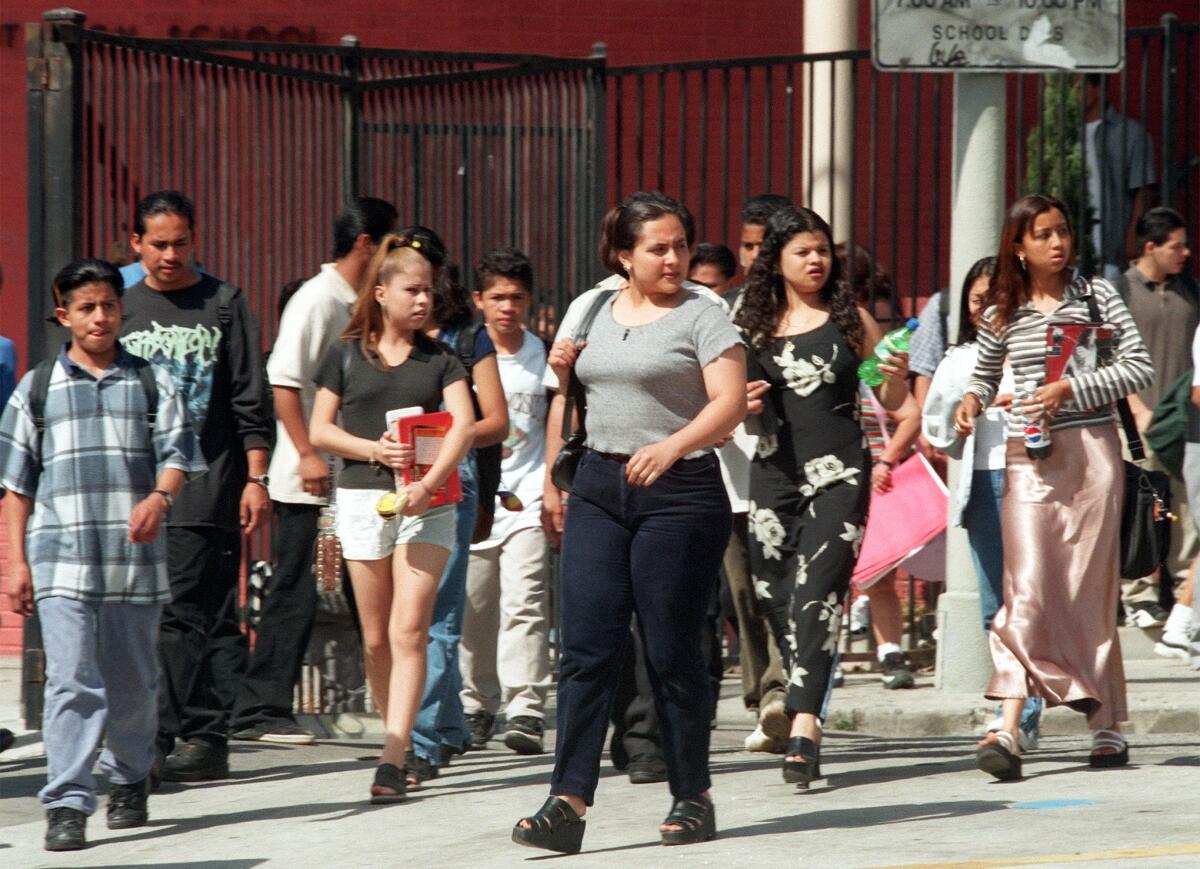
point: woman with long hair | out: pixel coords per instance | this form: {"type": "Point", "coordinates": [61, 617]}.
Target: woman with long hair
{"type": "Point", "coordinates": [664, 376]}
{"type": "Point", "coordinates": [441, 726]}
{"type": "Point", "coordinates": [383, 362]}
{"type": "Point", "coordinates": [810, 480]}
{"type": "Point", "coordinates": [1055, 635]}
{"type": "Point", "coordinates": [983, 456]}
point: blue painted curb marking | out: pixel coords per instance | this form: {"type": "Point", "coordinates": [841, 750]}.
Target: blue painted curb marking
{"type": "Point", "coordinates": [1053, 804]}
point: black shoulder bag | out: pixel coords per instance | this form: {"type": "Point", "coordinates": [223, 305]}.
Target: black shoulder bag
{"type": "Point", "coordinates": [562, 473]}
{"type": "Point", "coordinates": [1145, 510]}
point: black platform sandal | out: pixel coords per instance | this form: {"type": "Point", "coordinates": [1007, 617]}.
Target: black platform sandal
{"type": "Point", "coordinates": [697, 818]}
{"type": "Point", "coordinates": [555, 827]}
{"type": "Point", "coordinates": [999, 758]}
{"type": "Point", "coordinates": [392, 777]}
{"type": "Point", "coordinates": [801, 772]}
{"type": "Point", "coordinates": [1114, 750]}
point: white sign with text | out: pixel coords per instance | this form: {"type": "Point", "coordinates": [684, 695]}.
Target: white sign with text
{"type": "Point", "coordinates": [998, 35]}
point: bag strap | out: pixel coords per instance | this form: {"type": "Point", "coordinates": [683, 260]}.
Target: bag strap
{"type": "Point", "coordinates": [576, 399]}
{"type": "Point", "coordinates": [39, 388]}
{"type": "Point", "coordinates": [1132, 438]}
{"type": "Point", "coordinates": [150, 388]}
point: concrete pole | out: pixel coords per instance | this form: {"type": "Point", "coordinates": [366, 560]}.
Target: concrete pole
{"type": "Point", "coordinates": [978, 206]}
{"type": "Point", "coordinates": [831, 25]}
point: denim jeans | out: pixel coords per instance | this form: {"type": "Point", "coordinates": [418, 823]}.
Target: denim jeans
{"type": "Point", "coordinates": [101, 684]}
{"type": "Point", "coordinates": [981, 516]}
{"type": "Point", "coordinates": [440, 719]}
{"type": "Point", "coordinates": [655, 552]}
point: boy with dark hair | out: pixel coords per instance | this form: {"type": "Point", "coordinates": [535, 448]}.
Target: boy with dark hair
{"type": "Point", "coordinates": [99, 441]}
{"type": "Point", "coordinates": [504, 652]}
{"type": "Point", "coordinates": [1165, 305]}
{"type": "Point", "coordinates": [755, 214]}
{"type": "Point", "coordinates": [713, 266]}
{"type": "Point", "coordinates": [314, 317]}
{"type": "Point", "coordinates": [200, 329]}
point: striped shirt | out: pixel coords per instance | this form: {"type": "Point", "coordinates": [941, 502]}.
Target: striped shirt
{"type": "Point", "coordinates": [1023, 341]}
{"type": "Point", "coordinates": [99, 462]}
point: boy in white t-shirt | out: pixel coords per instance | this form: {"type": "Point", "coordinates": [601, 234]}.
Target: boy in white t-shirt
{"type": "Point", "coordinates": [504, 652]}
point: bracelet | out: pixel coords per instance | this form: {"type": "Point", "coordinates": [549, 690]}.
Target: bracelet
{"type": "Point", "coordinates": [889, 465]}
{"type": "Point", "coordinates": [166, 496]}
{"type": "Point", "coordinates": [428, 491]}
{"type": "Point", "coordinates": [371, 460]}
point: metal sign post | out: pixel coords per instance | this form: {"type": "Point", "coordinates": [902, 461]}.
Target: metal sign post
{"type": "Point", "coordinates": [978, 37]}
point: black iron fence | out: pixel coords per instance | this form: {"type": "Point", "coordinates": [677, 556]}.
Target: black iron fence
{"type": "Point", "coordinates": [270, 139]}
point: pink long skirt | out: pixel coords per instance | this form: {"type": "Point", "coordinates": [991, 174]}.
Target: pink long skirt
{"type": "Point", "coordinates": [1055, 637]}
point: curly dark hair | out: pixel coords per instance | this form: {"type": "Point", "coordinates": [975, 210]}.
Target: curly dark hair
{"type": "Point", "coordinates": [764, 299]}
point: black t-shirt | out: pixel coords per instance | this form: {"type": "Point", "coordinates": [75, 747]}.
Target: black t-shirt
{"type": "Point", "coordinates": [368, 391]}
{"type": "Point", "coordinates": [206, 338]}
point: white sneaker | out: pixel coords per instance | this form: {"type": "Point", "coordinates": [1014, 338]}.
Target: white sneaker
{"type": "Point", "coordinates": [774, 722]}
{"type": "Point", "coordinates": [860, 617]}
{"type": "Point", "coordinates": [759, 741]}
{"type": "Point", "coordinates": [1173, 647]}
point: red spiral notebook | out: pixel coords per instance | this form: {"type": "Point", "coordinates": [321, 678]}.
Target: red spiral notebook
{"type": "Point", "coordinates": [426, 432]}
{"type": "Point", "coordinates": [1075, 349]}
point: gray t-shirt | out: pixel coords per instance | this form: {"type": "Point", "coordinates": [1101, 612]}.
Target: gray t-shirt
{"type": "Point", "coordinates": [644, 383]}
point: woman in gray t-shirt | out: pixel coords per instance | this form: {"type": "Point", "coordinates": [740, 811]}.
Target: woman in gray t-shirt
{"type": "Point", "coordinates": [664, 374]}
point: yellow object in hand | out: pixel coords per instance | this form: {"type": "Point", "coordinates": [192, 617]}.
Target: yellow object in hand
{"type": "Point", "coordinates": [390, 504]}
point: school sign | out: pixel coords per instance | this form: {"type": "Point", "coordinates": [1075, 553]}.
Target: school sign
{"type": "Point", "coordinates": [998, 35]}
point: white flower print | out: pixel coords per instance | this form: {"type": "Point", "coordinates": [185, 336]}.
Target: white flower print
{"type": "Point", "coordinates": [802, 564]}
{"type": "Point", "coordinates": [825, 471]}
{"type": "Point", "coordinates": [767, 530]}
{"type": "Point", "coordinates": [767, 446]}
{"type": "Point", "coordinates": [831, 614]}
{"type": "Point", "coordinates": [854, 536]}
{"type": "Point", "coordinates": [803, 376]}
{"type": "Point", "coordinates": [762, 589]}
{"type": "Point", "coordinates": [796, 676]}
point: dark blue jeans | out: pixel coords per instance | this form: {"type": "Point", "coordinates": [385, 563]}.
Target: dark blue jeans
{"type": "Point", "coordinates": [655, 552]}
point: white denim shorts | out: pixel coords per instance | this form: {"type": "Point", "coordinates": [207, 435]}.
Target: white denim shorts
{"type": "Point", "coordinates": [367, 536]}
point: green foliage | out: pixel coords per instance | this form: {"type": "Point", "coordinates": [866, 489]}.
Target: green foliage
{"type": "Point", "coordinates": [1056, 168]}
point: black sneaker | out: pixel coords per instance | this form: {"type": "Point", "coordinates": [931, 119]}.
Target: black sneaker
{"type": "Point", "coordinates": [523, 734]}
{"type": "Point", "coordinates": [647, 770]}
{"type": "Point", "coordinates": [896, 671]}
{"type": "Point", "coordinates": [65, 829]}
{"type": "Point", "coordinates": [276, 732]}
{"type": "Point", "coordinates": [127, 805]}
{"type": "Point", "coordinates": [480, 724]}
{"type": "Point", "coordinates": [419, 768]}
{"type": "Point", "coordinates": [1146, 614]}
{"type": "Point", "coordinates": [197, 760]}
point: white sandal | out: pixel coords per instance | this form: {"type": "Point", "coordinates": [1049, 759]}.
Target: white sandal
{"type": "Point", "coordinates": [1001, 758]}
{"type": "Point", "coordinates": [1108, 739]}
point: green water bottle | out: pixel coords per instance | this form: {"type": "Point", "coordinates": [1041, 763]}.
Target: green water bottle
{"type": "Point", "coordinates": [895, 341]}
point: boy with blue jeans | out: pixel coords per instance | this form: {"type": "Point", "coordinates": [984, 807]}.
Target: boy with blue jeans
{"type": "Point", "coordinates": [94, 447]}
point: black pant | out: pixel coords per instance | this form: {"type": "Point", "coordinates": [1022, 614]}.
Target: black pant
{"type": "Point", "coordinates": [202, 650]}
{"type": "Point", "coordinates": [635, 721]}
{"type": "Point", "coordinates": [285, 623]}
{"type": "Point", "coordinates": [655, 552]}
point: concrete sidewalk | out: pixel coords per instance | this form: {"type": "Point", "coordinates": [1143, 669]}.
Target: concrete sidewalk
{"type": "Point", "coordinates": [902, 790]}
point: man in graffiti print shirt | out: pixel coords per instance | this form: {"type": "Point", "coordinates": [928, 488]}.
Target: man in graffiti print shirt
{"type": "Point", "coordinates": [201, 331]}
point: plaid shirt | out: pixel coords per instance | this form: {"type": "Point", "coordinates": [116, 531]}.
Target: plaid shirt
{"type": "Point", "coordinates": [99, 462]}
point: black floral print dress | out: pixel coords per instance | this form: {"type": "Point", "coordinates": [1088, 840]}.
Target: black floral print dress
{"type": "Point", "coordinates": [810, 484]}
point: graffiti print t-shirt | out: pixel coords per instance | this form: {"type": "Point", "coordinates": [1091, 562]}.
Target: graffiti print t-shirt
{"type": "Point", "coordinates": [218, 369]}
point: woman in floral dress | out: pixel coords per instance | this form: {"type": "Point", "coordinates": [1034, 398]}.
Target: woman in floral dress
{"type": "Point", "coordinates": [810, 481]}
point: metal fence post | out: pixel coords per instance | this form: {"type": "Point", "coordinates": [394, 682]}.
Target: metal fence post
{"type": "Point", "coordinates": [598, 116]}
{"type": "Point", "coordinates": [1170, 69]}
{"type": "Point", "coordinates": [54, 110]}
{"type": "Point", "coordinates": [351, 133]}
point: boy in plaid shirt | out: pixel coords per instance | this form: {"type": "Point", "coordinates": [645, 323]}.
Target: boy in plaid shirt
{"type": "Point", "coordinates": [85, 497]}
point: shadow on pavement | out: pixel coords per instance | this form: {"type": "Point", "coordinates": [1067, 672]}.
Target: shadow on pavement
{"type": "Point", "coordinates": [869, 816]}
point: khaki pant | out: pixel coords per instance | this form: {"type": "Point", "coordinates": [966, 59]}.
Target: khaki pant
{"type": "Point", "coordinates": [504, 653]}
{"type": "Point", "coordinates": [762, 671]}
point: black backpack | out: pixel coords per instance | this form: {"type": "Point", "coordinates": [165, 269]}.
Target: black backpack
{"type": "Point", "coordinates": [39, 388]}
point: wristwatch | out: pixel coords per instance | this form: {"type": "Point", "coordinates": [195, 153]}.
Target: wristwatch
{"type": "Point", "coordinates": [263, 481]}
{"type": "Point", "coordinates": [166, 497]}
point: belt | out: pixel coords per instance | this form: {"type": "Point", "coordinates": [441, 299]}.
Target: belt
{"type": "Point", "coordinates": [615, 457]}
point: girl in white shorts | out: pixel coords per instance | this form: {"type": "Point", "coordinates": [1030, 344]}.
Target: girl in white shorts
{"type": "Point", "coordinates": [383, 362]}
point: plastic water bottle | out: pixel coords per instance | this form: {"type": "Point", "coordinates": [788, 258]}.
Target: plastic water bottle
{"type": "Point", "coordinates": [895, 341]}
{"type": "Point", "coordinates": [1037, 431]}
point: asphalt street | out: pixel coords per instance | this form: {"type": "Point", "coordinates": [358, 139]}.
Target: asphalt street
{"type": "Point", "coordinates": [888, 801]}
